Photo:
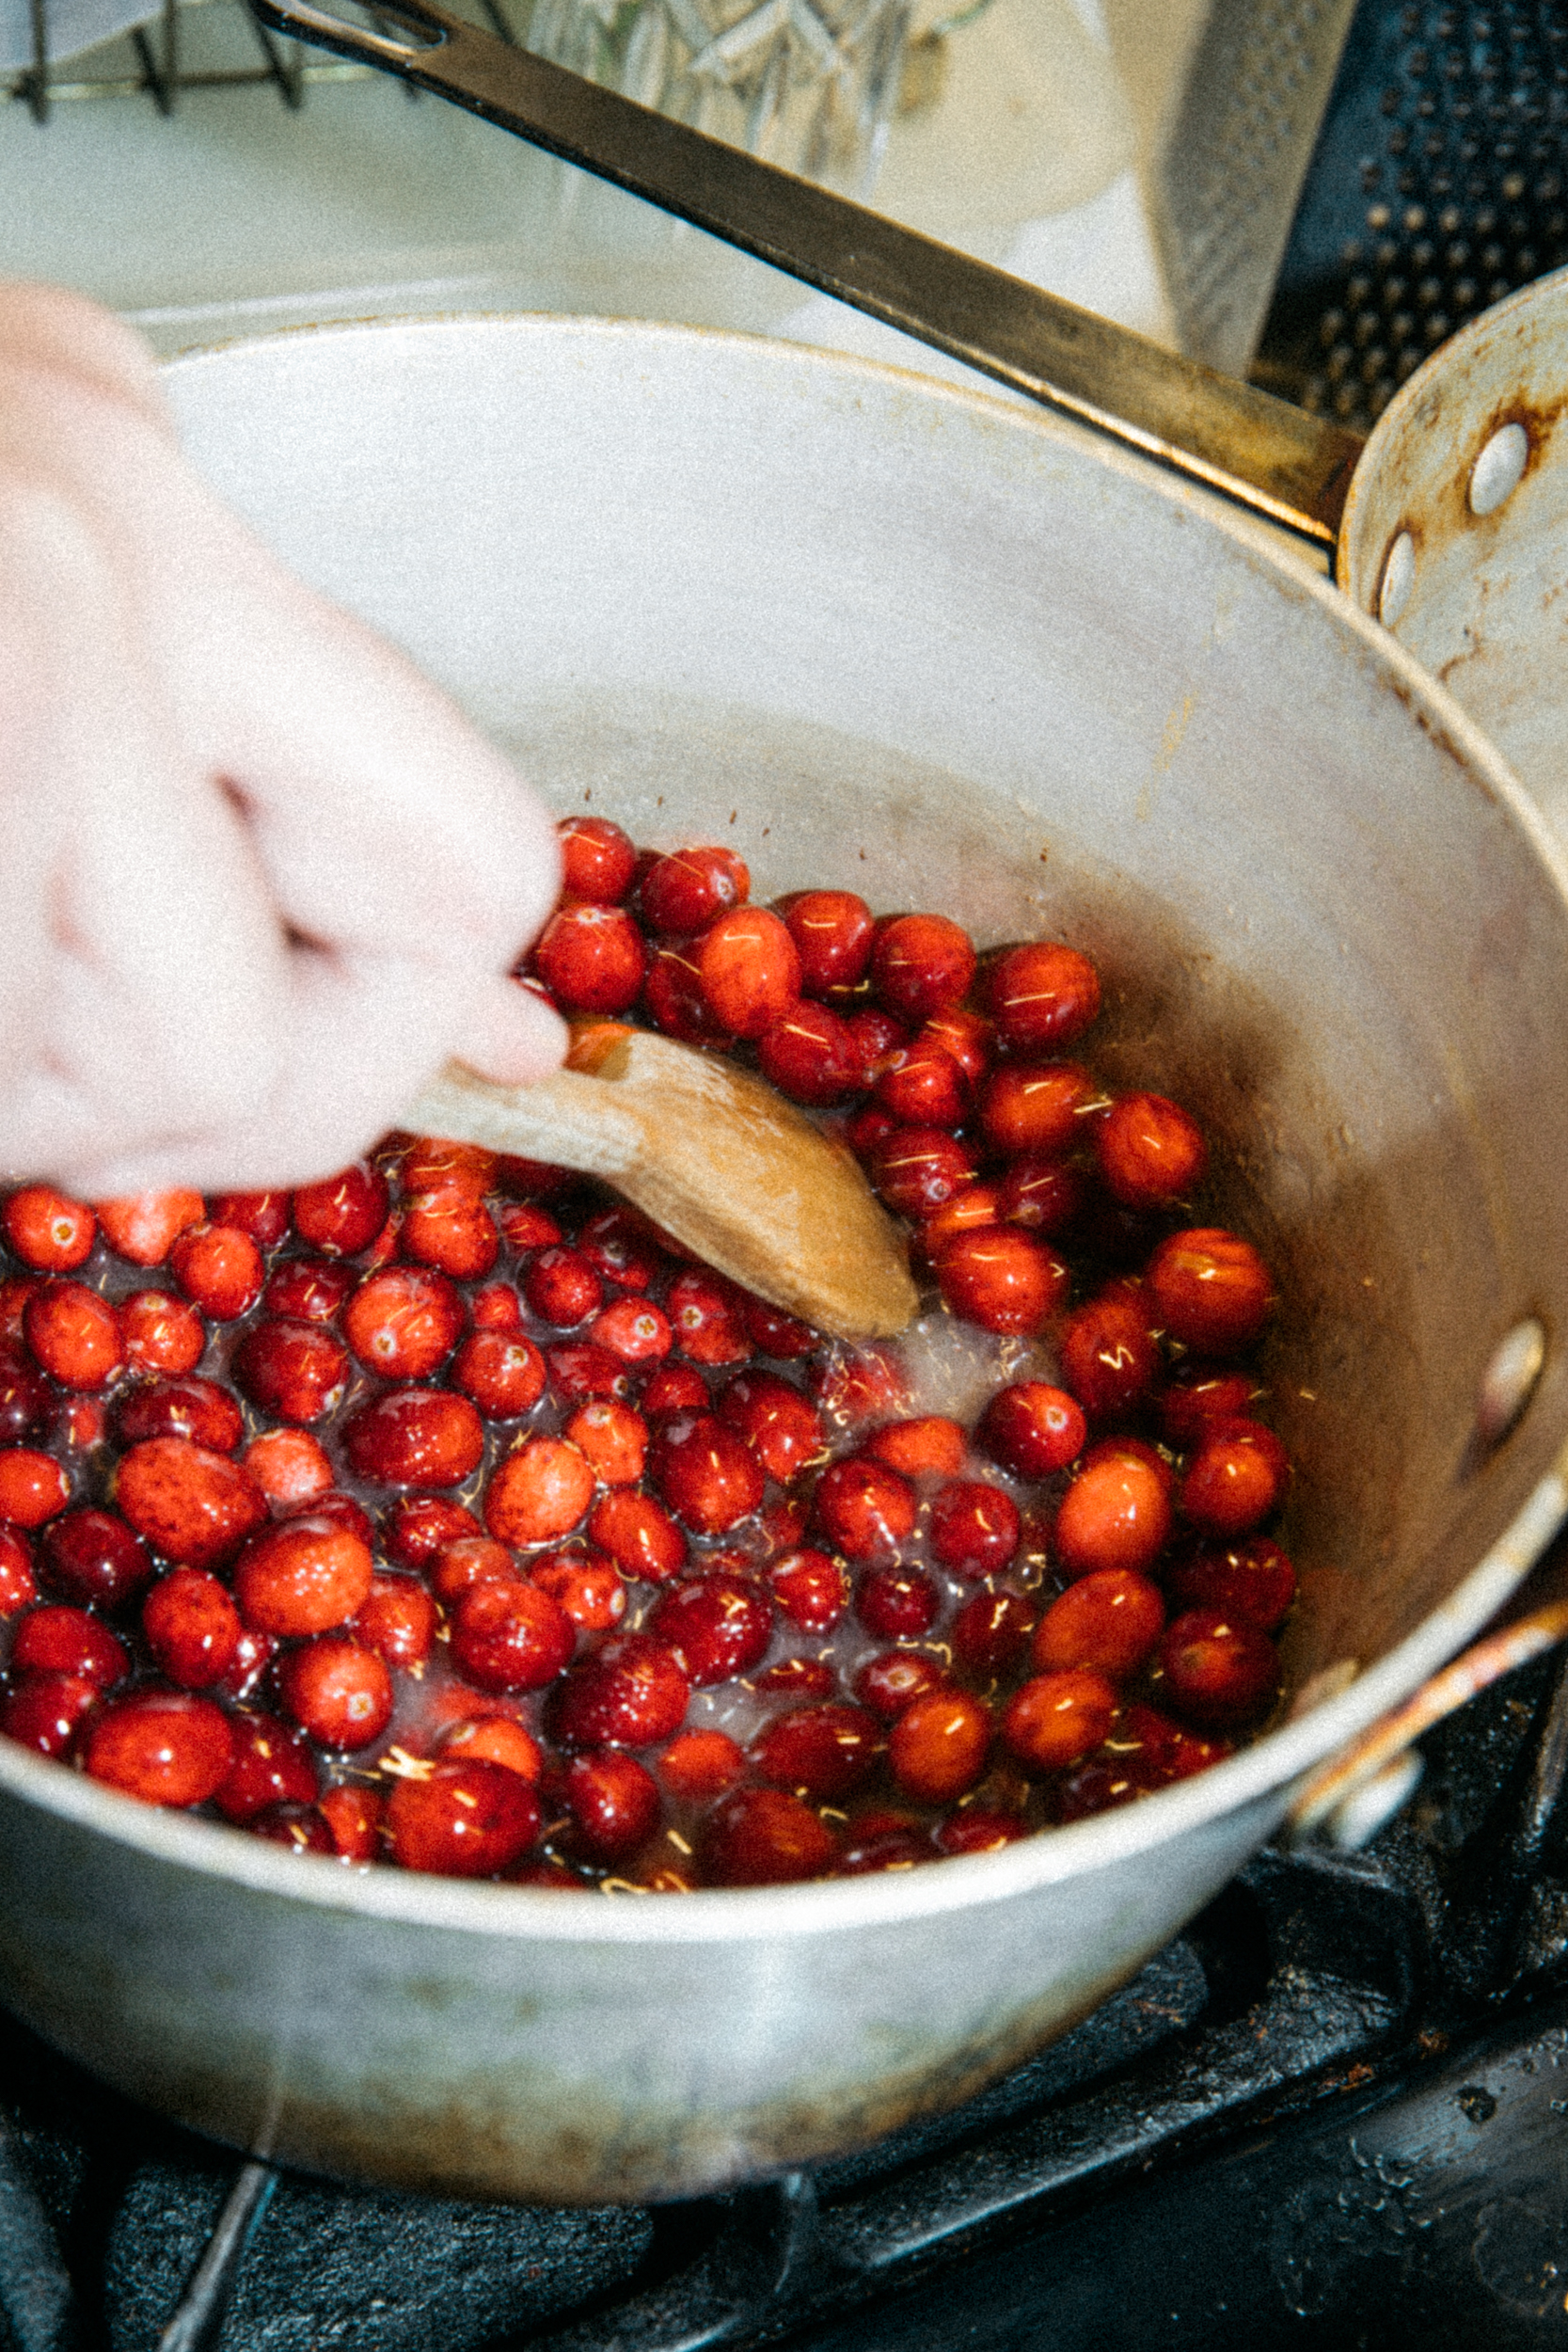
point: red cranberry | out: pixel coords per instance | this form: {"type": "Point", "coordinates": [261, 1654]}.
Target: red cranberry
{"type": "Point", "coordinates": [457, 1237]}
{"type": "Point", "coordinates": [538, 1494]}
{"type": "Point", "coordinates": [918, 1169]}
{"type": "Point", "coordinates": [715, 1627]}
{"type": "Point", "coordinates": [586, 1584]}
{"type": "Point", "coordinates": [748, 970]}
{"type": "Point", "coordinates": [1160, 1751]}
{"type": "Point", "coordinates": [832, 931]}
{"type": "Point", "coordinates": [166, 1747]}
{"type": "Point", "coordinates": [404, 1322]}
{"type": "Point", "coordinates": [639, 1536]}
{"type": "Point", "coordinates": [879, 1041]}
{"type": "Point", "coordinates": [310, 1290]}
{"type": "Point", "coordinates": [220, 1269]}
{"type": "Point", "coordinates": [979, 1830]}
{"type": "Point", "coordinates": [708, 1476]}
{"type": "Point", "coordinates": [924, 1086]}
{"type": "Point", "coordinates": [338, 1690]}
{"type": "Point", "coordinates": [611, 1439]}
{"type": "Point", "coordinates": [673, 1000]}
{"type": "Point", "coordinates": [577, 1372]}
{"type": "Point", "coordinates": [192, 1627]}
{"type": "Point", "coordinates": [975, 1528]}
{"type": "Point", "coordinates": [1055, 1719]}
{"type": "Point", "coordinates": [701, 1765]}
{"type": "Point", "coordinates": [1151, 1152]}
{"type": "Point", "coordinates": [343, 1213]}
{"type": "Point", "coordinates": [765, 1838]}
{"type": "Point", "coordinates": [398, 1621]}
{"type": "Point", "coordinates": [1116, 1514]}
{"type": "Point", "coordinates": [1002, 1280]}
{"type": "Point", "coordinates": [415, 1438]}
{"type": "Point", "coordinates": [1035, 1106]}
{"type": "Point", "coordinates": [48, 1230]}
{"type": "Point", "coordinates": [632, 1694]}
{"type": "Point", "coordinates": [1216, 1669]}
{"type": "Point", "coordinates": [354, 1816]}
{"type": "Point", "coordinates": [614, 1801]}
{"type": "Point", "coordinates": [931, 1447]}
{"type": "Point", "coordinates": [502, 1371]}
{"type": "Point", "coordinates": [812, 1590]}
{"type": "Point", "coordinates": [990, 1634]}
{"type": "Point", "coordinates": [497, 1739]}
{"type": "Point", "coordinates": [192, 1506]}
{"type": "Point", "coordinates": [1198, 1397]}
{"type": "Point", "coordinates": [562, 1287]}
{"type": "Point", "coordinates": [687, 890]}
{"type": "Point", "coordinates": [32, 1486]}
{"type": "Point", "coordinates": [1041, 1195]}
{"type": "Point", "coordinates": [1107, 1352]}
{"type": "Point", "coordinates": [264, 1215]}
{"type": "Point", "coordinates": [1040, 996]}
{"type": "Point", "coordinates": [93, 1557]}
{"type": "Point", "coordinates": [1032, 1429]}
{"type": "Point", "coordinates": [470, 1560]}
{"type": "Point", "coordinates": [634, 1330]}
{"type": "Point", "coordinates": [1252, 1581]}
{"type": "Point", "coordinates": [823, 1752]}
{"type": "Point", "coordinates": [864, 1508]}
{"type": "Point", "coordinates": [675, 1389]}
{"type": "Point", "coordinates": [938, 1746]}
{"type": "Point", "coordinates": [1234, 1479]}
{"type": "Point", "coordinates": [74, 1334]}
{"type": "Point", "coordinates": [305, 1576]}
{"type": "Point", "coordinates": [45, 1711]}
{"type": "Point", "coordinates": [1209, 1289]}
{"type": "Point", "coordinates": [53, 1640]}
{"type": "Point", "coordinates": [465, 1820]}
{"type": "Point", "coordinates": [417, 1526]}
{"type": "Point", "coordinates": [920, 964]}
{"type": "Point", "coordinates": [897, 1603]}
{"type": "Point", "coordinates": [706, 1318]}
{"type": "Point", "coordinates": [782, 1427]}
{"type": "Point", "coordinates": [511, 1637]}
{"type": "Point", "coordinates": [592, 958]}
{"type": "Point", "coordinates": [18, 1584]}
{"type": "Point", "coordinates": [797, 1678]}
{"type": "Point", "coordinates": [1109, 1620]}
{"type": "Point", "coordinates": [618, 1244]}
{"type": "Point", "coordinates": [297, 1828]}
{"type": "Point", "coordinates": [889, 1683]}
{"type": "Point", "coordinates": [598, 859]}
{"type": "Point", "coordinates": [25, 1400]}
{"type": "Point", "coordinates": [812, 1056]}
{"type": "Point", "coordinates": [185, 1408]}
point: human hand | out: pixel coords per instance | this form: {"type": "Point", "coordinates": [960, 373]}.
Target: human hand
{"type": "Point", "coordinates": [259, 878]}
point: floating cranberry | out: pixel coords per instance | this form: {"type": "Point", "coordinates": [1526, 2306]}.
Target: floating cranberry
{"type": "Point", "coordinates": [192, 1627]}
{"type": "Point", "coordinates": [74, 1334]}
{"type": "Point", "coordinates": [1218, 1669]}
{"type": "Point", "coordinates": [469, 1559]}
{"type": "Point", "coordinates": [292, 1369]}
{"type": "Point", "coordinates": [823, 1752]}
{"type": "Point", "coordinates": [495, 1308]}
{"type": "Point", "coordinates": [894, 1680]}
{"type": "Point", "coordinates": [457, 1237]}
{"type": "Point", "coordinates": [1116, 1514]}
{"type": "Point", "coordinates": [687, 890]}
{"type": "Point", "coordinates": [918, 1169]}
{"type": "Point", "coordinates": [577, 1372]}
{"type": "Point", "coordinates": [1253, 1580]}
{"type": "Point", "coordinates": [289, 1467]}
{"type": "Point", "coordinates": [812, 1590]}
{"type": "Point", "coordinates": [976, 1528]}
{"type": "Point", "coordinates": [715, 1625]}
{"type": "Point", "coordinates": [1036, 1107]}
{"type": "Point", "coordinates": [465, 1820]}
{"type": "Point", "coordinates": [924, 1086]}
{"type": "Point", "coordinates": [782, 1427]}
{"type": "Point", "coordinates": [187, 1407]}
{"type": "Point", "coordinates": [1210, 1290]}
{"type": "Point", "coordinates": [673, 1001]}
{"type": "Point", "coordinates": [66, 1641]}
{"type": "Point", "coordinates": [612, 1441]}
{"type": "Point", "coordinates": [812, 1056]}
{"type": "Point", "coordinates": [1032, 1429]}
{"type": "Point", "coordinates": [1041, 1195]}
{"type": "Point", "coordinates": [675, 1389]}
{"type": "Point", "coordinates": [340, 1510]}
{"type": "Point", "coordinates": [598, 859]}
{"type": "Point", "coordinates": [398, 1621]}
{"type": "Point", "coordinates": [310, 1288]}
{"type": "Point", "coordinates": [639, 1534]}
{"type": "Point", "coordinates": [634, 1330]}
{"type": "Point", "coordinates": [345, 1212]}
{"type": "Point", "coordinates": [496, 1740]}
{"type": "Point", "coordinates": [748, 970]}
{"type": "Point", "coordinates": [701, 1765]}
{"type": "Point", "coordinates": [879, 1041]}
{"type": "Point", "coordinates": [1234, 1479]}
{"type": "Point", "coordinates": [195, 1506]}
{"type": "Point", "coordinates": [1040, 996]}
{"type": "Point", "coordinates": [338, 1690]}
{"type": "Point", "coordinates": [539, 1494]}
{"type": "Point", "coordinates": [297, 1828]}
{"type": "Point", "coordinates": [1151, 1152]}
{"type": "Point", "coordinates": [796, 1679]}
{"type": "Point", "coordinates": [979, 1830]}
{"type": "Point", "coordinates": [1199, 1396]}
{"type": "Point", "coordinates": [220, 1269]}
{"type": "Point", "coordinates": [990, 1634]}
{"type": "Point", "coordinates": [354, 1816]}
{"type": "Point", "coordinates": [1110, 1620]}
{"type": "Point", "coordinates": [931, 1447]}
{"type": "Point", "coordinates": [1107, 1352]}
{"type": "Point", "coordinates": [32, 1486]}
{"type": "Point", "coordinates": [765, 1838]}
{"type": "Point", "coordinates": [404, 1322]}
{"type": "Point", "coordinates": [1003, 1279]}
{"type": "Point", "coordinates": [144, 1226]}
{"type": "Point", "coordinates": [864, 1508]}
{"type": "Point", "coordinates": [938, 1746]}
{"type": "Point", "coordinates": [305, 1576]}
{"type": "Point", "coordinates": [254, 1655]}
{"type": "Point", "coordinates": [920, 964]}
{"type": "Point", "coordinates": [562, 1287]}
{"type": "Point", "coordinates": [264, 1215]}
{"type": "Point", "coordinates": [94, 1558]}
{"type": "Point", "coordinates": [415, 1438]}
{"type": "Point", "coordinates": [592, 958]}
{"type": "Point", "coordinates": [417, 1526]}
{"type": "Point", "coordinates": [709, 1477]}
{"type": "Point", "coordinates": [18, 1584]}
{"type": "Point", "coordinates": [1163, 1750]}
{"type": "Point", "coordinates": [631, 1693]}
{"type": "Point", "coordinates": [48, 1230]}
{"type": "Point", "coordinates": [166, 1747]}
{"type": "Point", "coordinates": [511, 1637]}
{"type": "Point", "coordinates": [26, 1399]}
{"type": "Point", "coordinates": [897, 1603]}
{"type": "Point", "coordinates": [619, 1244]}
{"type": "Point", "coordinates": [614, 1801]}
{"type": "Point", "coordinates": [46, 1711]}
{"type": "Point", "coordinates": [588, 1585]}
{"type": "Point", "coordinates": [1055, 1719]}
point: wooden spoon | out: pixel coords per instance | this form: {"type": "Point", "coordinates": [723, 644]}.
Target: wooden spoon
{"type": "Point", "coordinates": [716, 1157]}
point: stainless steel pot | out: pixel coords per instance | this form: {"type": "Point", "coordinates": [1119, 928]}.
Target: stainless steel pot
{"type": "Point", "coordinates": [971, 658]}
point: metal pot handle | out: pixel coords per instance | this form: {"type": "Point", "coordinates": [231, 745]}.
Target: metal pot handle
{"type": "Point", "coordinates": [1274, 458]}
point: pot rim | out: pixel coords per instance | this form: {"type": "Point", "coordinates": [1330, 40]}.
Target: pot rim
{"type": "Point", "coordinates": [1265, 1775]}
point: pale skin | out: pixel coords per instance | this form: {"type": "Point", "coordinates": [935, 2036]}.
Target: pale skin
{"type": "Point", "coordinates": [258, 879]}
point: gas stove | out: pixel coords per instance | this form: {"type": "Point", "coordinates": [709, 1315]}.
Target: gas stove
{"type": "Point", "coordinates": [1334, 2113]}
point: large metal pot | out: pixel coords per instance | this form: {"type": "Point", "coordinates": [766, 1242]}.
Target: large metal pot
{"type": "Point", "coordinates": [965, 657]}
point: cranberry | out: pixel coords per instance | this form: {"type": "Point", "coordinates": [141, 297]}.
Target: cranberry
{"type": "Point", "coordinates": [342, 1511]}
{"type": "Point", "coordinates": [832, 932]}
{"type": "Point", "coordinates": [864, 1507]}
{"type": "Point", "coordinates": [749, 971]}
{"type": "Point", "coordinates": [166, 1747]}
{"type": "Point", "coordinates": [562, 1287]}
{"type": "Point", "coordinates": [297, 1828]}
{"type": "Point", "coordinates": [18, 1584]}
{"type": "Point", "coordinates": [1002, 1280]}
{"type": "Point", "coordinates": [415, 1438]}
{"type": "Point", "coordinates": [1032, 1429]}
{"type": "Point", "coordinates": [592, 958]}
{"type": "Point", "coordinates": [1041, 1195]}
{"type": "Point", "coordinates": [634, 1330]}
{"type": "Point", "coordinates": [1198, 1397]}
{"type": "Point", "coordinates": [796, 1679]}
{"type": "Point", "coordinates": [920, 964]}
{"type": "Point", "coordinates": [598, 859]}
{"type": "Point", "coordinates": [586, 1584]}
{"type": "Point", "coordinates": [673, 1001]}
{"type": "Point", "coordinates": [289, 1467]}
{"type": "Point", "coordinates": [404, 1322]}
{"type": "Point", "coordinates": [879, 1041]}
{"type": "Point", "coordinates": [192, 1627]}
{"type": "Point", "coordinates": [55, 1639]}
{"type": "Point", "coordinates": [48, 1230]}
{"type": "Point", "coordinates": [398, 1621]}
{"type": "Point", "coordinates": [812, 1590]}
{"type": "Point", "coordinates": [264, 1215]}
{"type": "Point", "coordinates": [220, 1269]}
{"type": "Point", "coordinates": [613, 1439]}
{"type": "Point", "coordinates": [417, 1526]}
{"type": "Point", "coordinates": [305, 1576]}
{"type": "Point", "coordinates": [701, 1765]}
{"type": "Point", "coordinates": [990, 1634]}
{"type": "Point", "coordinates": [309, 1289]}
{"type": "Point", "coordinates": [924, 1086]}
{"type": "Point", "coordinates": [469, 1559]}
{"type": "Point", "coordinates": [187, 1407]}
{"type": "Point", "coordinates": [715, 1625]}
{"type": "Point", "coordinates": [614, 1801]}
{"type": "Point", "coordinates": [1151, 1152]}
{"type": "Point", "coordinates": [1034, 1107]}
{"type": "Point", "coordinates": [25, 1399]}
{"type": "Point", "coordinates": [495, 1308]}
{"type": "Point", "coordinates": [1217, 1669]}
{"type": "Point", "coordinates": [687, 890]}
{"type": "Point", "coordinates": [933, 1446]}
{"type": "Point", "coordinates": [32, 1486]}
{"type": "Point", "coordinates": [466, 1820]}
{"type": "Point", "coordinates": [620, 1247]}
{"type": "Point", "coordinates": [1109, 1620]}
{"type": "Point", "coordinates": [1107, 1352]}
{"type": "Point", "coordinates": [539, 1494]}
{"type": "Point", "coordinates": [708, 1476]}
{"type": "Point", "coordinates": [822, 1752]}
{"type": "Point", "coordinates": [639, 1534]}
{"type": "Point", "coordinates": [675, 1389]}
{"type": "Point", "coordinates": [511, 1637]}
{"type": "Point", "coordinates": [1041, 994]}
{"type": "Point", "coordinates": [782, 1427]}
{"type": "Point", "coordinates": [145, 1226]}
{"type": "Point", "coordinates": [192, 1506]}
{"type": "Point", "coordinates": [632, 1694]}
{"type": "Point", "coordinates": [74, 1334]}
{"type": "Point", "coordinates": [918, 1169]}
{"type": "Point", "coordinates": [46, 1711]}
{"type": "Point", "coordinates": [338, 1690]}
{"type": "Point", "coordinates": [578, 1371]}
{"type": "Point", "coordinates": [938, 1746]}
{"type": "Point", "coordinates": [1209, 1289]}
{"type": "Point", "coordinates": [1116, 1514]}
{"type": "Point", "coordinates": [897, 1603]}
{"type": "Point", "coordinates": [1055, 1719]}
{"type": "Point", "coordinates": [889, 1683]}
{"type": "Point", "coordinates": [254, 1655]}
{"type": "Point", "coordinates": [93, 1557]}
{"type": "Point", "coordinates": [1252, 1581]}
{"type": "Point", "coordinates": [812, 1056]}
{"type": "Point", "coordinates": [496, 1740]}
{"type": "Point", "coordinates": [979, 1830]}
{"type": "Point", "coordinates": [975, 1528]}
{"type": "Point", "coordinates": [1234, 1479]}
{"type": "Point", "coordinates": [459, 1238]}
{"type": "Point", "coordinates": [1161, 1750]}
{"type": "Point", "coordinates": [765, 1838]}
{"type": "Point", "coordinates": [343, 1215]}
{"type": "Point", "coordinates": [354, 1816]}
